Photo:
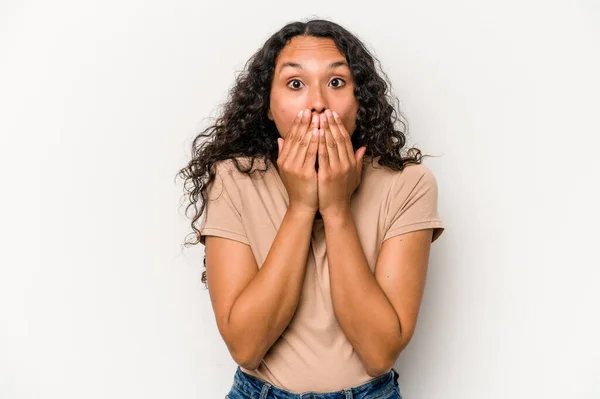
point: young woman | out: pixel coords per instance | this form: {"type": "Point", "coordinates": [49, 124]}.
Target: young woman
{"type": "Point", "coordinates": [317, 221]}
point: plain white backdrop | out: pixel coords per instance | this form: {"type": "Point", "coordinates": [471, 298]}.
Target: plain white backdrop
{"type": "Point", "coordinates": [99, 102]}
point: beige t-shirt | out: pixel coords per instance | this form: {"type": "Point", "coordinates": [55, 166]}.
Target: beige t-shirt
{"type": "Point", "coordinates": [313, 354]}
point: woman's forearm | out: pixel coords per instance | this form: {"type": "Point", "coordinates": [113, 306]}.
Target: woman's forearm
{"type": "Point", "coordinates": [266, 306]}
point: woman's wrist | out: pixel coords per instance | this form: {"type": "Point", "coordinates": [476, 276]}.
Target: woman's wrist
{"type": "Point", "coordinates": [302, 211]}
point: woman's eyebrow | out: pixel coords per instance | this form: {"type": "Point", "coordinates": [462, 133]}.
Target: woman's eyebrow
{"type": "Point", "coordinates": [333, 65]}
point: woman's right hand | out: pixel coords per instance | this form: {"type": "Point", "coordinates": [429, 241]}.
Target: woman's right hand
{"type": "Point", "coordinates": [296, 162]}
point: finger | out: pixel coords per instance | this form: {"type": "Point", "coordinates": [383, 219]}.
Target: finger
{"type": "Point", "coordinates": [290, 135]}
{"type": "Point", "coordinates": [322, 152]}
{"type": "Point", "coordinates": [340, 141]}
{"type": "Point", "coordinates": [360, 153]}
{"type": "Point", "coordinates": [306, 139]}
{"type": "Point", "coordinates": [311, 153]}
{"type": "Point", "coordinates": [347, 140]}
{"type": "Point", "coordinates": [332, 151]}
{"type": "Point", "coordinates": [296, 140]}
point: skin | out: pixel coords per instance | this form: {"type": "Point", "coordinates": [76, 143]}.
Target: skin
{"type": "Point", "coordinates": [376, 311]}
{"type": "Point", "coordinates": [311, 83]}
{"type": "Point", "coordinates": [312, 74]}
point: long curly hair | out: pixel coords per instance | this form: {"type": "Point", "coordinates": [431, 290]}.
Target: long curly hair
{"type": "Point", "coordinates": [243, 128]}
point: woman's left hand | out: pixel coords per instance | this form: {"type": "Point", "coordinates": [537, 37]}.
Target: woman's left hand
{"type": "Point", "coordinates": [340, 168]}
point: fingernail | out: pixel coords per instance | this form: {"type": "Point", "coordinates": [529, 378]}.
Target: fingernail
{"type": "Point", "coordinates": [314, 119]}
{"type": "Point", "coordinates": [328, 113]}
{"type": "Point", "coordinates": [300, 113]}
{"type": "Point", "coordinates": [306, 112]}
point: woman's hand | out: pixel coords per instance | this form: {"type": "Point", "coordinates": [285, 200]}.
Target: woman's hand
{"type": "Point", "coordinates": [340, 168]}
{"type": "Point", "coordinates": [296, 162]}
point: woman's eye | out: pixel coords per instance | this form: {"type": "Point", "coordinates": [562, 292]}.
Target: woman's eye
{"type": "Point", "coordinates": [295, 84]}
{"type": "Point", "coordinates": [339, 82]}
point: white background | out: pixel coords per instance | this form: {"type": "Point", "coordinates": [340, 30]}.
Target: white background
{"type": "Point", "coordinates": [99, 102]}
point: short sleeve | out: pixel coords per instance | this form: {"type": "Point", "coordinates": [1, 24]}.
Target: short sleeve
{"type": "Point", "coordinates": [413, 203]}
{"type": "Point", "coordinates": [222, 216]}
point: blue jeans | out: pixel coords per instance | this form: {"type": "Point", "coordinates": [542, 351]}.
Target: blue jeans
{"type": "Point", "coordinates": [249, 387]}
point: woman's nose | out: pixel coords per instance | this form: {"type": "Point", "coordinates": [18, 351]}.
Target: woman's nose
{"type": "Point", "coordinates": [317, 102]}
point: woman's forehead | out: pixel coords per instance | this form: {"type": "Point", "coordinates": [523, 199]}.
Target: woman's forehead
{"type": "Point", "coordinates": [309, 49]}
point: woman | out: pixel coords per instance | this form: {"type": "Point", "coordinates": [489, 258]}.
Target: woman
{"type": "Point", "coordinates": [317, 221]}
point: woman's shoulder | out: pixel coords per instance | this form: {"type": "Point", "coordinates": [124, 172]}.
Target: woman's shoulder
{"type": "Point", "coordinates": [410, 172]}
{"type": "Point", "coordinates": [240, 169]}
{"type": "Point", "coordinates": [243, 162]}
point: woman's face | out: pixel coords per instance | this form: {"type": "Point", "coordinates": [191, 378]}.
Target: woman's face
{"type": "Point", "coordinates": [311, 73]}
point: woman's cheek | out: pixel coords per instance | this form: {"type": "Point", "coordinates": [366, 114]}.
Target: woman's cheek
{"type": "Point", "coordinates": [349, 125]}
{"type": "Point", "coordinates": [281, 124]}
{"type": "Point", "coordinates": [285, 124]}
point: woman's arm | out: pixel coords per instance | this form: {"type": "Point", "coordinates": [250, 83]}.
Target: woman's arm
{"type": "Point", "coordinates": [377, 313]}
{"type": "Point", "coordinates": [253, 306]}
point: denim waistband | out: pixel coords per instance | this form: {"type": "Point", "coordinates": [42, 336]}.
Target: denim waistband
{"type": "Point", "coordinates": [257, 388]}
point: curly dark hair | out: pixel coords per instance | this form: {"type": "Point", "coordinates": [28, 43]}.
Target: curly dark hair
{"type": "Point", "coordinates": [243, 129]}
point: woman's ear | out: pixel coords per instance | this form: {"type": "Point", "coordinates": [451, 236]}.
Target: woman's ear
{"type": "Point", "coordinates": [269, 114]}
